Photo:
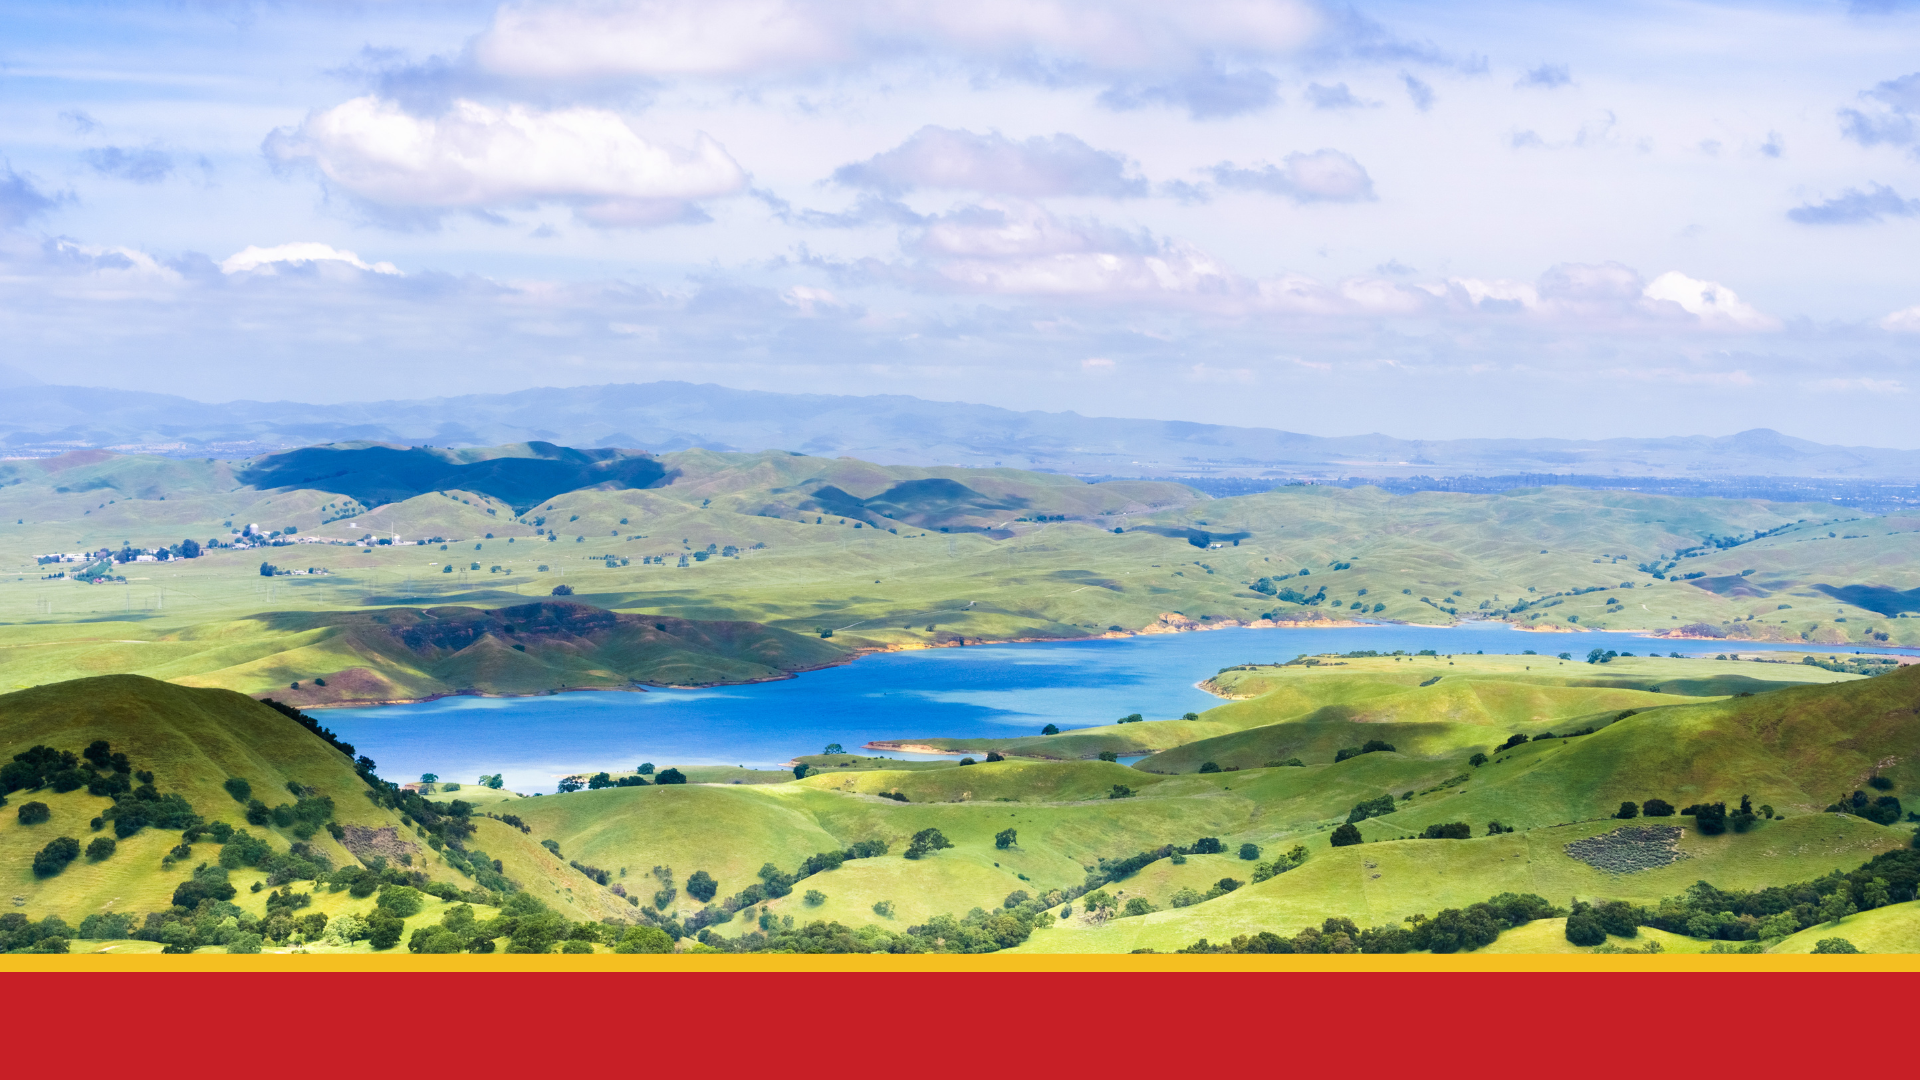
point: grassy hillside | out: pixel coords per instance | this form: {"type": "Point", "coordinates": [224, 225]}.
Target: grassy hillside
{"type": "Point", "coordinates": [1427, 705]}
{"type": "Point", "coordinates": [193, 742]}
{"type": "Point", "coordinates": [1793, 749]}
{"type": "Point", "coordinates": [1891, 929]}
{"type": "Point", "coordinates": [884, 557]}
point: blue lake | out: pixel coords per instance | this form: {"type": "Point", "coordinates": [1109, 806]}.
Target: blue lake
{"type": "Point", "coordinates": [973, 691]}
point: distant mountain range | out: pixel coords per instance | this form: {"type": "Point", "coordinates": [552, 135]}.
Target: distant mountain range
{"type": "Point", "coordinates": [890, 429]}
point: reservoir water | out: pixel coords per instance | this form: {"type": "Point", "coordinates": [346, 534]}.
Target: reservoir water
{"type": "Point", "coordinates": [979, 690]}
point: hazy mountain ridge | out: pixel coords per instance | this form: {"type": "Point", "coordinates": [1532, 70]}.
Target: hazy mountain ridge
{"type": "Point", "coordinates": [886, 429]}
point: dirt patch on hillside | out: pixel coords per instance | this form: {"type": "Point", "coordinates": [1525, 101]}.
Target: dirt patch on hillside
{"type": "Point", "coordinates": [1630, 850]}
{"type": "Point", "coordinates": [385, 842]}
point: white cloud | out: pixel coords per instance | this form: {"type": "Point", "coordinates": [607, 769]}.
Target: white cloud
{"type": "Point", "coordinates": [1711, 302]}
{"type": "Point", "coordinates": [663, 38]}
{"type": "Point", "coordinates": [259, 258]}
{"type": "Point", "coordinates": [807, 297]}
{"type": "Point", "coordinates": [474, 156]}
{"type": "Point", "coordinates": [944, 159]}
{"type": "Point", "coordinates": [1020, 248]}
{"type": "Point", "coordinates": [1904, 321]}
{"type": "Point", "coordinates": [1322, 176]}
{"type": "Point", "coordinates": [1498, 295]}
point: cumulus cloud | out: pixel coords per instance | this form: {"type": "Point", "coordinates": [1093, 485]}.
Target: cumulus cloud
{"type": "Point", "coordinates": [20, 200]}
{"type": "Point", "coordinates": [1904, 321]}
{"type": "Point", "coordinates": [1713, 304]}
{"type": "Point", "coordinates": [1889, 116]}
{"type": "Point", "coordinates": [1207, 94]}
{"type": "Point", "coordinates": [1610, 294]}
{"type": "Point", "coordinates": [1322, 176]}
{"type": "Point", "coordinates": [258, 258]}
{"type": "Point", "coordinates": [147, 166]}
{"type": "Point", "coordinates": [1545, 77]}
{"type": "Point", "coordinates": [1856, 207]}
{"type": "Point", "coordinates": [937, 158]}
{"type": "Point", "coordinates": [1336, 96]}
{"type": "Point", "coordinates": [661, 38]}
{"type": "Point", "coordinates": [1020, 248]}
{"type": "Point", "coordinates": [476, 157]}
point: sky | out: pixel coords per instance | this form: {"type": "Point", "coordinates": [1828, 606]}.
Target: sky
{"type": "Point", "coordinates": [1424, 220]}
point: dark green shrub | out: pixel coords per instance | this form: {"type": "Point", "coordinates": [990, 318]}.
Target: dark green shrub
{"type": "Point", "coordinates": [1452, 830]}
{"type": "Point", "coordinates": [1477, 760]}
{"type": "Point", "coordinates": [1346, 835]}
{"type": "Point", "coordinates": [257, 812]}
{"type": "Point", "coordinates": [386, 931]}
{"type": "Point", "coordinates": [54, 858]}
{"type": "Point", "coordinates": [1709, 818]}
{"type": "Point", "coordinates": [1108, 755]}
{"type": "Point", "coordinates": [1880, 783]}
{"type": "Point", "coordinates": [1657, 808]}
{"type": "Point", "coordinates": [1378, 807]}
{"type": "Point", "coordinates": [1209, 766]}
{"type": "Point", "coordinates": [1050, 730]}
{"type": "Point", "coordinates": [1583, 928]}
{"type": "Point", "coordinates": [1627, 810]}
{"type": "Point", "coordinates": [1619, 918]}
{"type": "Point", "coordinates": [34, 813]}
{"type": "Point", "coordinates": [670, 776]}
{"type": "Point", "coordinates": [1005, 838]}
{"type": "Point", "coordinates": [1249, 852]}
{"type": "Point", "coordinates": [1207, 845]}
{"type": "Point", "coordinates": [1828, 946]}
{"type": "Point", "coordinates": [701, 886]}
{"type": "Point", "coordinates": [239, 789]}
{"type": "Point", "coordinates": [399, 902]}
{"type": "Point", "coordinates": [926, 842]}
{"type": "Point", "coordinates": [101, 847]}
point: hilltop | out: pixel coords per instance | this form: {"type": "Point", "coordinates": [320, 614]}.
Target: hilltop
{"type": "Point", "coordinates": [207, 809]}
{"type": "Point", "coordinates": [893, 429]}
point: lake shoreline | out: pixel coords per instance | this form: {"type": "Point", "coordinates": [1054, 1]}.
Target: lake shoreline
{"type": "Point", "coordinates": [1178, 625]}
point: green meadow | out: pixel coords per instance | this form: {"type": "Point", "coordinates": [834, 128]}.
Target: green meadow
{"type": "Point", "coordinates": [1039, 835]}
{"type": "Point", "coordinates": [749, 560]}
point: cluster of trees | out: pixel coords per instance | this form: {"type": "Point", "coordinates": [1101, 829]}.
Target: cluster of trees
{"type": "Point", "coordinates": [324, 734]}
{"type": "Point", "coordinates": [978, 931]}
{"type": "Point", "coordinates": [19, 934]}
{"type": "Point", "coordinates": [105, 773]}
{"type": "Point", "coordinates": [1881, 810]}
{"type": "Point", "coordinates": [1371, 746]}
{"type": "Point", "coordinates": [774, 883]}
{"type": "Point", "coordinates": [1757, 916]}
{"type": "Point", "coordinates": [1452, 930]}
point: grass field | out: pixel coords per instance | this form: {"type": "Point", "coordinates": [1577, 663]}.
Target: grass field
{"type": "Point", "coordinates": [857, 549]}
{"type": "Point", "coordinates": [193, 741]}
{"type": "Point", "coordinates": [1891, 929]}
{"type": "Point", "coordinates": [1791, 748]}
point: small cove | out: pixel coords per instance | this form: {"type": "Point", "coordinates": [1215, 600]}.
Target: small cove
{"type": "Point", "coordinates": [979, 690]}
